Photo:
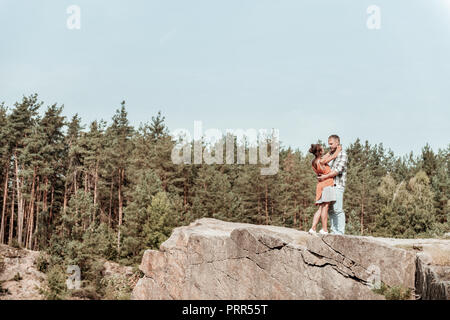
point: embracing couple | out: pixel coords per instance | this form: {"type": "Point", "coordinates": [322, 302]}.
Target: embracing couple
{"type": "Point", "coordinates": [331, 170]}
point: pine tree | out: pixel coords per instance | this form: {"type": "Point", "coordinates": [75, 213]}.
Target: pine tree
{"type": "Point", "coordinates": [72, 159]}
{"type": "Point", "coordinates": [213, 195]}
{"type": "Point", "coordinates": [408, 208]}
{"type": "Point", "coordinates": [297, 189]}
{"type": "Point", "coordinates": [137, 214]}
{"type": "Point", "coordinates": [5, 152]}
{"type": "Point", "coordinates": [440, 182]}
{"type": "Point", "coordinates": [111, 192]}
{"type": "Point", "coordinates": [162, 218]}
{"type": "Point", "coordinates": [52, 169]}
{"type": "Point", "coordinates": [119, 134]}
{"type": "Point", "coordinates": [20, 125]}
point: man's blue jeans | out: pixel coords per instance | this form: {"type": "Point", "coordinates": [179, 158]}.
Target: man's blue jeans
{"type": "Point", "coordinates": [336, 213]}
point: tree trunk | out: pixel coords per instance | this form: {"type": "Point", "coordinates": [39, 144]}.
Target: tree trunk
{"type": "Point", "coordinates": [65, 197]}
{"type": "Point", "coordinates": [103, 218]}
{"type": "Point", "coordinates": [95, 191]}
{"type": "Point", "coordinates": [11, 220]}
{"type": "Point", "coordinates": [45, 195]}
{"type": "Point", "coordinates": [39, 193]}
{"type": "Point", "coordinates": [110, 203]}
{"type": "Point", "coordinates": [271, 205]}
{"type": "Point", "coordinates": [51, 203]}
{"type": "Point", "coordinates": [5, 198]}
{"type": "Point", "coordinates": [121, 178]}
{"type": "Point", "coordinates": [20, 206]}
{"type": "Point", "coordinates": [44, 203]}
{"type": "Point", "coordinates": [95, 183]}
{"type": "Point", "coordinates": [75, 181]}
{"type": "Point", "coordinates": [30, 212]}
{"type": "Point", "coordinates": [362, 208]}
{"type": "Point", "coordinates": [31, 223]}
{"type": "Point", "coordinates": [26, 223]}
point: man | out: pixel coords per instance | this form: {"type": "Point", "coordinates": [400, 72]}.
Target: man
{"type": "Point", "coordinates": [339, 173]}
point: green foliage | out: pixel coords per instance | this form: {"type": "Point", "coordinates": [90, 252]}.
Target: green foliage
{"type": "Point", "coordinates": [137, 214]}
{"type": "Point", "coordinates": [353, 223]}
{"type": "Point", "coordinates": [15, 244]}
{"type": "Point", "coordinates": [150, 219]}
{"type": "Point", "coordinates": [117, 287]}
{"type": "Point", "coordinates": [85, 242]}
{"type": "Point", "coordinates": [367, 165]}
{"type": "Point", "coordinates": [99, 241]}
{"type": "Point", "coordinates": [84, 194]}
{"type": "Point", "coordinates": [56, 285]}
{"type": "Point", "coordinates": [214, 196]}
{"type": "Point", "coordinates": [161, 220]}
{"type": "Point", "coordinates": [394, 292]}
{"type": "Point", "coordinates": [408, 209]}
{"type": "Point", "coordinates": [42, 262]}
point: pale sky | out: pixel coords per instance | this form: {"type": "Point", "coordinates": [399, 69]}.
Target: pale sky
{"type": "Point", "coordinates": [308, 68]}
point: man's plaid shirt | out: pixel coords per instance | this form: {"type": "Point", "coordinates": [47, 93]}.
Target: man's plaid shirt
{"type": "Point", "coordinates": [340, 166]}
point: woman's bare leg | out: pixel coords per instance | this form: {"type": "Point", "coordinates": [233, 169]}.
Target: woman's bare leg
{"type": "Point", "coordinates": [324, 216]}
{"type": "Point", "coordinates": [316, 218]}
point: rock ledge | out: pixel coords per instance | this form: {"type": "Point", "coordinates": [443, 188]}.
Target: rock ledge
{"type": "Point", "coordinates": [213, 259]}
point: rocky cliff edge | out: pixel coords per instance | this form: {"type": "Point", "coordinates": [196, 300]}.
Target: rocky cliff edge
{"type": "Point", "coordinates": [213, 259]}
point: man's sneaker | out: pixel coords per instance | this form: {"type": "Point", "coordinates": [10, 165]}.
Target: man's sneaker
{"type": "Point", "coordinates": [322, 232]}
{"type": "Point", "coordinates": [312, 231]}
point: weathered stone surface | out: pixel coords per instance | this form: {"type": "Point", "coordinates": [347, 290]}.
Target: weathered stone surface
{"type": "Point", "coordinates": [112, 269]}
{"type": "Point", "coordinates": [433, 272]}
{"type": "Point", "coordinates": [213, 259]}
{"type": "Point", "coordinates": [19, 278]}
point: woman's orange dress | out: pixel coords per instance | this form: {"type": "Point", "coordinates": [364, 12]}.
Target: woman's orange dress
{"type": "Point", "coordinates": [322, 169]}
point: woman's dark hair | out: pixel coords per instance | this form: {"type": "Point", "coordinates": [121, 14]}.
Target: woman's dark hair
{"type": "Point", "coordinates": [315, 150]}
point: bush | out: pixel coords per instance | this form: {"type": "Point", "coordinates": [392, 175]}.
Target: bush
{"type": "Point", "coordinates": [117, 287]}
{"type": "Point", "coordinates": [42, 262]}
{"type": "Point", "coordinates": [15, 244]}
{"type": "Point", "coordinates": [394, 292]}
{"type": "Point", "coordinates": [57, 288]}
{"type": "Point", "coordinates": [93, 275]}
{"type": "Point", "coordinates": [398, 293]}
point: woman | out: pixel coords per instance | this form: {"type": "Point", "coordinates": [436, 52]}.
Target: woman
{"type": "Point", "coordinates": [324, 190]}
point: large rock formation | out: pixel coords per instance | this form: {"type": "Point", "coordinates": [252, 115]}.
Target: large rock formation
{"type": "Point", "coordinates": [19, 277]}
{"type": "Point", "coordinates": [212, 259]}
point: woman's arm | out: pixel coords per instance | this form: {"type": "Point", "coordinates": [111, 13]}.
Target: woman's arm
{"type": "Point", "coordinates": [327, 157]}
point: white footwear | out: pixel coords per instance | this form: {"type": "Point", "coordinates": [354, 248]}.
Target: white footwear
{"type": "Point", "coordinates": [312, 231]}
{"type": "Point", "coordinates": [322, 232]}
